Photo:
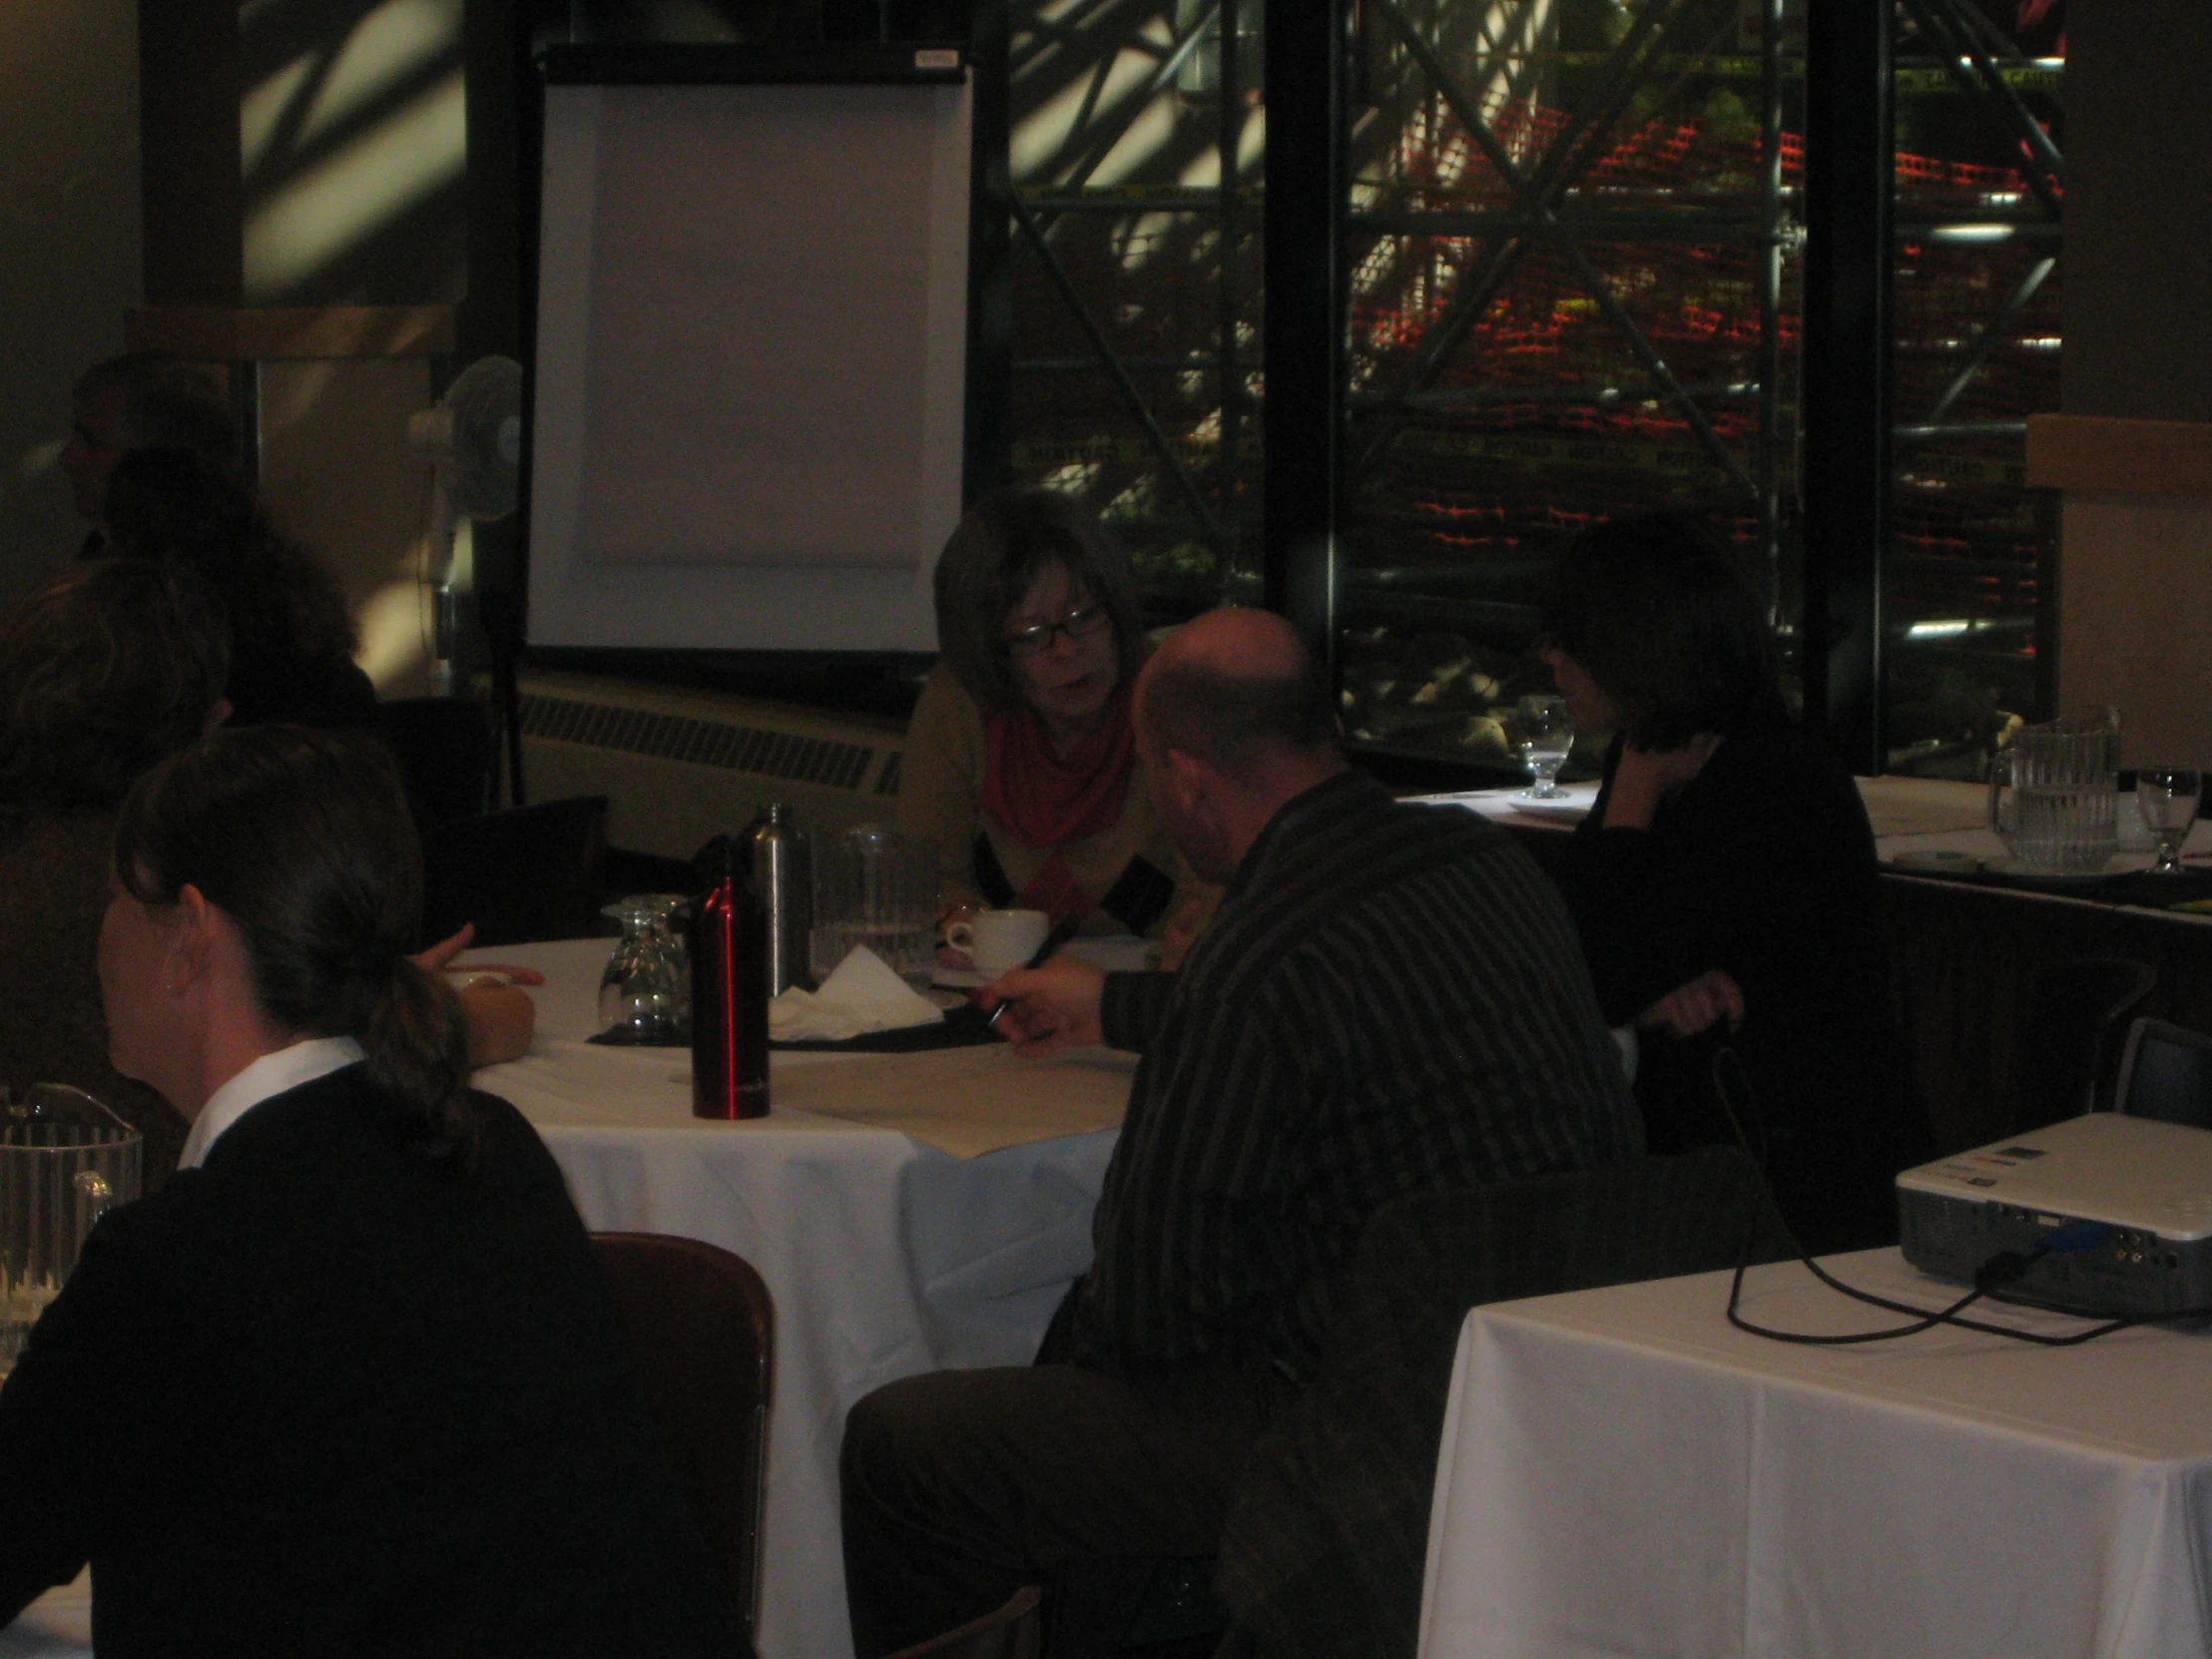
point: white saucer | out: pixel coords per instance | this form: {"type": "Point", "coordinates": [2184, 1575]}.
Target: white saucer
{"type": "Point", "coordinates": [1559, 806]}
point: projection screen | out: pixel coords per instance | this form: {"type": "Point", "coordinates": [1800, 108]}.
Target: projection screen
{"type": "Point", "coordinates": [749, 375]}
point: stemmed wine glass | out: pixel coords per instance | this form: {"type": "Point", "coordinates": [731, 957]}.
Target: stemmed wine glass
{"type": "Point", "coordinates": [1544, 731]}
{"type": "Point", "coordinates": [2167, 797]}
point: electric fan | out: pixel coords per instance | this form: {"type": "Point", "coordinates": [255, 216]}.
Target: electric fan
{"type": "Point", "coordinates": [473, 436]}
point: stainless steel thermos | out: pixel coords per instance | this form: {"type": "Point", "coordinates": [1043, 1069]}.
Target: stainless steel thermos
{"type": "Point", "coordinates": [781, 875]}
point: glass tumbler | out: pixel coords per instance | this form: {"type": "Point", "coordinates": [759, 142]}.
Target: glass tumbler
{"type": "Point", "coordinates": [644, 995]}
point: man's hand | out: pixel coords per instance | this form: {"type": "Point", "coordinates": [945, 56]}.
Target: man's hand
{"type": "Point", "coordinates": [440, 956]}
{"type": "Point", "coordinates": [1697, 1006]}
{"type": "Point", "coordinates": [1048, 1008]}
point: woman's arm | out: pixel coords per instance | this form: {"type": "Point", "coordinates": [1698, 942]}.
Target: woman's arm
{"type": "Point", "coordinates": [1640, 885]}
{"type": "Point", "coordinates": [501, 1020]}
{"type": "Point", "coordinates": [1646, 778]}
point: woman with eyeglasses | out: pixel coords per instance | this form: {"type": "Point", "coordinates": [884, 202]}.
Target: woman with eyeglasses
{"type": "Point", "coordinates": [1020, 766]}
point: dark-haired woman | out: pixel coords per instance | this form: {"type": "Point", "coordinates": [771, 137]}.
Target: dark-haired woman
{"type": "Point", "coordinates": [1725, 884]}
{"type": "Point", "coordinates": [291, 637]}
{"type": "Point", "coordinates": [105, 668]}
{"type": "Point", "coordinates": [1020, 764]}
{"type": "Point", "coordinates": [351, 1382]}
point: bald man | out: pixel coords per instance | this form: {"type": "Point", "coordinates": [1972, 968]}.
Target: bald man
{"type": "Point", "coordinates": [1389, 999]}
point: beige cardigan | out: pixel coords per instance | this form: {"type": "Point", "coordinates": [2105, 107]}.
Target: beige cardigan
{"type": "Point", "coordinates": [940, 784]}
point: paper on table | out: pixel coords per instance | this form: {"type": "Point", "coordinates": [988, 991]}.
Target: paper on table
{"type": "Point", "coordinates": [861, 994]}
{"type": "Point", "coordinates": [1922, 806]}
{"type": "Point", "coordinates": [968, 1101]}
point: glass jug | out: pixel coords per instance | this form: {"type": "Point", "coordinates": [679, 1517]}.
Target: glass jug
{"type": "Point", "coordinates": [64, 1159]}
{"type": "Point", "coordinates": [2064, 778]}
{"type": "Point", "coordinates": [644, 995]}
{"type": "Point", "coordinates": [876, 889]}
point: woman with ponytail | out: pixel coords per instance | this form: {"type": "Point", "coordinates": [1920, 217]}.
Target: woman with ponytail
{"type": "Point", "coordinates": [350, 1381]}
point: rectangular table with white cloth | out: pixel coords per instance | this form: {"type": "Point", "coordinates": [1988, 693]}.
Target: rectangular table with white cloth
{"type": "Point", "coordinates": [907, 1212]}
{"type": "Point", "coordinates": [1965, 955]}
{"type": "Point", "coordinates": [1624, 1474]}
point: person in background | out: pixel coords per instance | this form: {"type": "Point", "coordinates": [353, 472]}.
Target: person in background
{"type": "Point", "coordinates": [1724, 885]}
{"type": "Point", "coordinates": [352, 1381]}
{"type": "Point", "coordinates": [142, 400]}
{"type": "Point", "coordinates": [106, 668]}
{"type": "Point", "coordinates": [292, 638]}
{"type": "Point", "coordinates": [1020, 766]}
{"type": "Point", "coordinates": [1389, 1001]}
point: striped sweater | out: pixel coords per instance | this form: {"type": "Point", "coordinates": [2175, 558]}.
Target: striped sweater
{"type": "Point", "coordinates": [1391, 999]}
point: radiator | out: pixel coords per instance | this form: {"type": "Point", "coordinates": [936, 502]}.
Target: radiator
{"type": "Point", "coordinates": [678, 766]}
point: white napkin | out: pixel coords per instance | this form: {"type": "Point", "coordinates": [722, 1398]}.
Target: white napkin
{"type": "Point", "coordinates": [861, 994]}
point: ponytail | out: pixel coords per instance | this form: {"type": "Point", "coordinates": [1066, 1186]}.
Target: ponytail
{"type": "Point", "coordinates": [417, 1039]}
{"type": "Point", "coordinates": [304, 840]}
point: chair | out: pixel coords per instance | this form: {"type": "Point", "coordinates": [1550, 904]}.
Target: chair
{"type": "Point", "coordinates": [2165, 1074]}
{"type": "Point", "coordinates": [703, 1330]}
{"type": "Point", "coordinates": [1323, 1553]}
{"type": "Point", "coordinates": [1013, 1632]}
{"type": "Point", "coordinates": [446, 757]}
{"type": "Point", "coordinates": [530, 873]}
{"type": "Point", "coordinates": [2070, 1036]}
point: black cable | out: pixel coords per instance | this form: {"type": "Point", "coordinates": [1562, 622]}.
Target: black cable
{"type": "Point", "coordinates": [1991, 1279]}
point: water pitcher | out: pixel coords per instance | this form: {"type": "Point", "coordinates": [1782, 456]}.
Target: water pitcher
{"type": "Point", "coordinates": [877, 888]}
{"type": "Point", "coordinates": [2064, 782]}
{"type": "Point", "coordinates": [64, 1160]}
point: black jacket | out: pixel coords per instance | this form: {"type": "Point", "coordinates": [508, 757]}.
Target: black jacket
{"type": "Point", "coordinates": [1762, 865]}
{"type": "Point", "coordinates": [324, 1396]}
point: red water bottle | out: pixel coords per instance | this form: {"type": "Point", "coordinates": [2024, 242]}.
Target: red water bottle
{"type": "Point", "coordinates": [728, 936]}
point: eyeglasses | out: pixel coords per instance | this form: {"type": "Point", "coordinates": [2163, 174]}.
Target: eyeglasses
{"type": "Point", "coordinates": [1078, 623]}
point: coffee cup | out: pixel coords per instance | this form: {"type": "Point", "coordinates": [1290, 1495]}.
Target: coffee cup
{"type": "Point", "coordinates": [997, 941]}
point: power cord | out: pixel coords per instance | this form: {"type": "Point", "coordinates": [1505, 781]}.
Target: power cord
{"type": "Point", "coordinates": [2004, 1269]}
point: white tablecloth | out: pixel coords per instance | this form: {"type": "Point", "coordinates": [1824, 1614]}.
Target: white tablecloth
{"type": "Point", "coordinates": [1623, 1474]}
{"type": "Point", "coordinates": [885, 1256]}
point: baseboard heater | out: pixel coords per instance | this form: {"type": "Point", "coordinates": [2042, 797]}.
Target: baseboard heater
{"type": "Point", "coordinates": [678, 766]}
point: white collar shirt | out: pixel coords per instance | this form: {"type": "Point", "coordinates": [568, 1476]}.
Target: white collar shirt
{"type": "Point", "coordinates": [266, 1078]}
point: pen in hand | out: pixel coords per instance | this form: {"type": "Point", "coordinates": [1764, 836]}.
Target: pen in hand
{"type": "Point", "coordinates": [1058, 936]}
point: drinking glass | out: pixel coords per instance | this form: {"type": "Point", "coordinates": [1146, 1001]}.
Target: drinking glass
{"type": "Point", "coordinates": [2167, 798]}
{"type": "Point", "coordinates": [64, 1160]}
{"type": "Point", "coordinates": [1545, 733]}
{"type": "Point", "coordinates": [644, 995]}
{"type": "Point", "coordinates": [877, 888]}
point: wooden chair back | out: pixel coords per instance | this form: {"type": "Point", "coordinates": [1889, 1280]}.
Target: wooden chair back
{"type": "Point", "coordinates": [702, 1329]}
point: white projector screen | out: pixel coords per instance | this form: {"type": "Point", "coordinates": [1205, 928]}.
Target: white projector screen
{"type": "Point", "coordinates": [749, 365]}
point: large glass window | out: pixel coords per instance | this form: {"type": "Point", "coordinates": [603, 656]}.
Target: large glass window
{"type": "Point", "coordinates": [1135, 147]}
{"type": "Point", "coordinates": [1570, 300]}
{"type": "Point", "coordinates": [1974, 296]}
{"type": "Point", "coordinates": [1574, 233]}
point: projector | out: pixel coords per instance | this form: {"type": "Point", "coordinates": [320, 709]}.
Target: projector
{"type": "Point", "coordinates": [2122, 1204]}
